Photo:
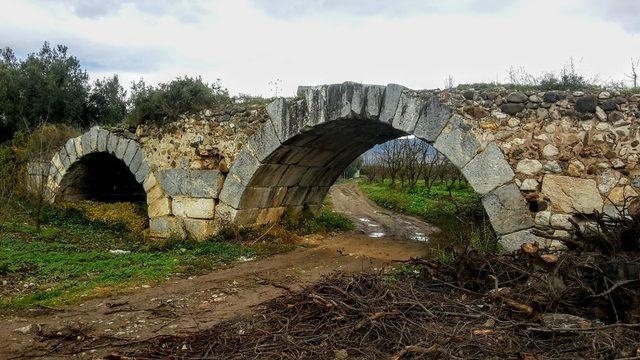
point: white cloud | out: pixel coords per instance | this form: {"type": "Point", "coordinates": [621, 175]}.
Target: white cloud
{"type": "Point", "coordinates": [248, 44]}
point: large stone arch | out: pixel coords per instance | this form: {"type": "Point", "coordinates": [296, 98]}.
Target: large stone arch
{"type": "Point", "coordinates": [306, 143]}
{"type": "Point", "coordinates": [129, 151]}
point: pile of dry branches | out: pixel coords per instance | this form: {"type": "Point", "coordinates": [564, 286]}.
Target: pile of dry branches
{"type": "Point", "coordinates": [530, 305]}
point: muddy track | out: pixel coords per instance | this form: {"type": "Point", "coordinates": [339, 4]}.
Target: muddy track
{"type": "Point", "coordinates": [186, 305]}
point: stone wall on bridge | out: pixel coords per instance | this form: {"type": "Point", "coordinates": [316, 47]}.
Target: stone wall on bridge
{"type": "Point", "coordinates": [536, 158]}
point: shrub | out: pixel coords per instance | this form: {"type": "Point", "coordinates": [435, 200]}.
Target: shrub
{"type": "Point", "coordinates": [166, 102]}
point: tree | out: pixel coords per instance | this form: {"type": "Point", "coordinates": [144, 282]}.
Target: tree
{"type": "Point", "coordinates": [633, 76]}
{"type": "Point", "coordinates": [106, 104]}
{"type": "Point", "coordinates": [47, 87]}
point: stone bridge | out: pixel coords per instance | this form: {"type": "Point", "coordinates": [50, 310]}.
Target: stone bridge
{"type": "Point", "coordinates": [535, 158]}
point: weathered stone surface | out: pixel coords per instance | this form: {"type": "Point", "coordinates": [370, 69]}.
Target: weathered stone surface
{"type": "Point", "coordinates": [166, 226]}
{"type": "Point", "coordinates": [569, 194]}
{"type": "Point", "coordinates": [374, 95]}
{"type": "Point", "coordinates": [159, 207]}
{"type": "Point", "coordinates": [149, 182]}
{"type": "Point", "coordinates": [621, 195]}
{"type": "Point", "coordinates": [102, 136]}
{"type": "Point", "coordinates": [507, 209]}
{"type": "Point", "coordinates": [136, 161]}
{"type": "Point", "coordinates": [195, 183]}
{"type": "Point", "coordinates": [123, 144]}
{"type": "Point", "coordinates": [587, 103]}
{"type": "Point", "coordinates": [408, 111]}
{"type": "Point", "coordinates": [561, 221]}
{"type": "Point", "coordinates": [390, 103]}
{"type": "Point", "coordinates": [529, 185]}
{"type": "Point", "coordinates": [488, 170]}
{"type": "Point", "coordinates": [112, 143]}
{"type": "Point", "coordinates": [71, 150]}
{"type": "Point", "coordinates": [457, 142]}
{"type": "Point", "coordinates": [231, 192]}
{"type": "Point", "coordinates": [200, 229]}
{"type": "Point", "coordinates": [608, 180]}
{"type": "Point", "coordinates": [511, 108]}
{"type": "Point", "coordinates": [132, 150]}
{"type": "Point", "coordinates": [264, 142]}
{"type": "Point", "coordinates": [142, 173]}
{"type": "Point", "coordinates": [513, 241]}
{"type": "Point", "coordinates": [433, 118]}
{"type": "Point", "coordinates": [197, 208]}
{"type": "Point", "coordinates": [529, 167]}
{"type": "Point", "coordinates": [517, 97]}
{"type": "Point", "coordinates": [543, 218]}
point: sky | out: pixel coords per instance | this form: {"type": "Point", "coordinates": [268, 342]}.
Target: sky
{"type": "Point", "coordinates": [269, 47]}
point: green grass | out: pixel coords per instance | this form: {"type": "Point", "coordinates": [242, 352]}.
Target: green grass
{"type": "Point", "coordinates": [69, 259]}
{"type": "Point", "coordinates": [326, 221]}
{"type": "Point", "coordinates": [458, 214]}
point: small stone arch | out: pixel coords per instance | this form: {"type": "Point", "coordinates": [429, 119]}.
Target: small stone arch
{"type": "Point", "coordinates": [293, 159]}
{"type": "Point", "coordinates": [102, 141]}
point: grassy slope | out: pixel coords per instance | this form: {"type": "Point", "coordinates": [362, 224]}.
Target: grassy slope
{"type": "Point", "coordinates": [69, 259]}
{"type": "Point", "coordinates": [455, 214]}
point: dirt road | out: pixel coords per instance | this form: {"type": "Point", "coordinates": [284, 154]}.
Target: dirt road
{"type": "Point", "coordinates": [375, 221]}
{"type": "Point", "coordinates": [100, 326]}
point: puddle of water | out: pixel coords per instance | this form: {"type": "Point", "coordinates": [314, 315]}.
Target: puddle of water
{"type": "Point", "coordinates": [365, 220]}
{"type": "Point", "coordinates": [376, 234]}
{"type": "Point", "coordinates": [373, 225]}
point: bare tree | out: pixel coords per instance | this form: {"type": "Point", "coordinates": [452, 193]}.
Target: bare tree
{"type": "Point", "coordinates": [633, 76]}
{"type": "Point", "coordinates": [449, 83]}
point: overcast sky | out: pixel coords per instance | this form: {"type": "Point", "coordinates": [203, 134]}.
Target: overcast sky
{"type": "Point", "coordinates": [250, 44]}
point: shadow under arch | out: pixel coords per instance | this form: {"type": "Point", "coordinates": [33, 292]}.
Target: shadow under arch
{"type": "Point", "coordinates": [295, 157]}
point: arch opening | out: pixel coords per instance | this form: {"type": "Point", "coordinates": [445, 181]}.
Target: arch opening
{"type": "Point", "coordinates": [101, 177]}
{"type": "Point", "coordinates": [299, 173]}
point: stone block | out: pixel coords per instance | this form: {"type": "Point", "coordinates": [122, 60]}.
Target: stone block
{"type": "Point", "coordinates": [194, 183]}
{"type": "Point", "coordinates": [142, 172]}
{"type": "Point", "coordinates": [154, 194]}
{"type": "Point", "coordinates": [64, 157]}
{"type": "Point", "coordinates": [507, 209]}
{"type": "Point", "coordinates": [270, 215]}
{"type": "Point", "coordinates": [264, 142]}
{"type": "Point", "coordinates": [77, 143]}
{"type": "Point", "coordinates": [137, 160]}
{"type": "Point", "coordinates": [293, 175]}
{"type": "Point", "coordinates": [166, 226]}
{"type": "Point", "coordinates": [269, 174]}
{"type": "Point", "coordinates": [87, 144]}
{"type": "Point", "coordinates": [572, 195]}
{"type": "Point", "coordinates": [197, 208]}
{"type": "Point", "coordinates": [317, 157]}
{"type": "Point", "coordinates": [149, 182]}
{"type": "Point", "coordinates": [513, 242]}
{"type": "Point", "coordinates": [433, 118]}
{"type": "Point", "coordinates": [70, 147]}
{"type": "Point", "coordinates": [102, 139]}
{"type": "Point", "coordinates": [256, 197]}
{"type": "Point", "coordinates": [457, 142]}
{"type": "Point", "coordinates": [296, 196]}
{"type": "Point", "coordinates": [488, 170]}
{"type": "Point", "coordinates": [159, 207]}
{"type": "Point", "coordinates": [199, 229]}
{"type": "Point", "coordinates": [246, 217]}
{"type": "Point", "coordinates": [408, 112]}
{"type": "Point", "coordinates": [390, 102]}
{"type": "Point", "coordinates": [112, 143]}
{"type": "Point", "coordinates": [339, 101]}
{"type": "Point", "coordinates": [232, 191]}
{"type": "Point", "coordinates": [314, 101]}
{"type": "Point", "coordinates": [374, 95]}
{"type": "Point", "coordinates": [123, 144]}
{"type": "Point", "coordinates": [244, 167]}
{"type": "Point", "coordinates": [132, 150]}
